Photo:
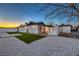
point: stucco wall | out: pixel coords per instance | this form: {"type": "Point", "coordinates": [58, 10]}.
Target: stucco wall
{"type": "Point", "coordinates": [23, 29]}
{"type": "Point", "coordinates": [60, 29]}
{"type": "Point", "coordinates": [65, 29]}
{"type": "Point", "coordinates": [33, 29]}
{"type": "Point", "coordinates": [55, 31]}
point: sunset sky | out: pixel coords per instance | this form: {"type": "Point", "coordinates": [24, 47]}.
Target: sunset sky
{"type": "Point", "coordinates": [12, 15]}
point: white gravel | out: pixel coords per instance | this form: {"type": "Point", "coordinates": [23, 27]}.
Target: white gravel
{"type": "Point", "coordinates": [49, 46]}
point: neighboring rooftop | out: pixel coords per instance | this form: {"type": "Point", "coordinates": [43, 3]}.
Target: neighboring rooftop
{"type": "Point", "coordinates": [64, 25]}
{"type": "Point", "coordinates": [35, 23]}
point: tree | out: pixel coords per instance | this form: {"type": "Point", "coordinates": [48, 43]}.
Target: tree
{"type": "Point", "coordinates": [61, 10]}
{"type": "Point", "coordinates": [17, 29]}
{"type": "Point", "coordinates": [20, 26]}
{"type": "Point", "coordinates": [26, 24]}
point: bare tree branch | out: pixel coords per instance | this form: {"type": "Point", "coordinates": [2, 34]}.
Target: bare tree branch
{"type": "Point", "coordinates": [67, 9]}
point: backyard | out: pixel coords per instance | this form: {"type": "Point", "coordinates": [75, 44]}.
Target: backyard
{"type": "Point", "coordinates": [28, 38]}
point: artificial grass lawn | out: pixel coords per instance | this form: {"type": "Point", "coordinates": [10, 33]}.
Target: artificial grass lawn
{"type": "Point", "coordinates": [28, 38]}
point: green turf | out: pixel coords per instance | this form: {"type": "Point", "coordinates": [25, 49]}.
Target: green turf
{"type": "Point", "coordinates": [28, 38]}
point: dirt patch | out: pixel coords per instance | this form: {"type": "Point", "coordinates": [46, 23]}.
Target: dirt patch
{"type": "Point", "coordinates": [66, 34]}
{"type": "Point", "coordinates": [69, 35]}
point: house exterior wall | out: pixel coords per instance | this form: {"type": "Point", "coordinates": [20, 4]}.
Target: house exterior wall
{"type": "Point", "coordinates": [54, 31]}
{"type": "Point", "coordinates": [24, 29]}
{"type": "Point", "coordinates": [60, 29]}
{"type": "Point", "coordinates": [47, 30]}
{"type": "Point", "coordinates": [66, 29]}
{"type": "Point", "coordinates": [41, 29]}
{"type": "Point", "coordinates": [33, 29]}
{"type": "Point", "coordinates": [37, 29]}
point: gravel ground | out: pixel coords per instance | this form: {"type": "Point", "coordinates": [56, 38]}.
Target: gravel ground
{"type": "Point", "coordinates": [53, 46]}
{"type": "Point", "coordinates": [49, 46]}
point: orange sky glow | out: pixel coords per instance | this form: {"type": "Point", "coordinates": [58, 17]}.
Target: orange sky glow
{"type": "Point", "coordinates": [9, 24]}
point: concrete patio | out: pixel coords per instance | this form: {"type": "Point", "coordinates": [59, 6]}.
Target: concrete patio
{"type": "Point", "coordinates": [49, 46]}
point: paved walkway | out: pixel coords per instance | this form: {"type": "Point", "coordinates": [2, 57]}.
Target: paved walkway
{"type": "Point", "coordinates": [51, 45]}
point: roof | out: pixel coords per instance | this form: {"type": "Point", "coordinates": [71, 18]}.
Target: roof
{"type": "Point", "coordinates": [48, 25]}
{"type": "Point", "coordinates": [64, 25]}
{"type": "Point", "coordinates": [34, 23]}
{"type": "Point", "coordinates": [40, 24]}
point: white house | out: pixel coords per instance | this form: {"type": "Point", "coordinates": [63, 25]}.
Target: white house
{"type": "Point", "coordinates": [33, 29]}
{"type": "Point", "coordinates": [65, 28]}
{"type": "Point", "coordinates": [41, 28]}
{"type": "Point", "coordinates": [23, 28]}
{"type": "Point", "coordinates": [54, 31]}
